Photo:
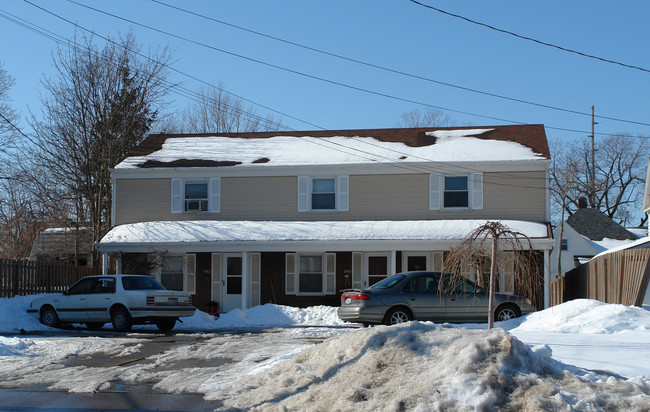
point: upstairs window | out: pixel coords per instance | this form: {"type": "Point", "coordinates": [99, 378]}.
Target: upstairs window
{"type": "Point", "coordinates": [323, 194]}
{"type": "Point", "coordinates": [456, 192]}
{"type": "Point", "coordinates": [196, 196]}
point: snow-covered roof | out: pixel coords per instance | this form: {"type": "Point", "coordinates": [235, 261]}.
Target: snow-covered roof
{"type": "Point", "coordinates": [234, 232]}
{"type": "Point", "coordinates": [489, 144]}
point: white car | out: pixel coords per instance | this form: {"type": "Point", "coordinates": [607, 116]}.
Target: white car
{"type": "Point", "coordinates": [123, 300]}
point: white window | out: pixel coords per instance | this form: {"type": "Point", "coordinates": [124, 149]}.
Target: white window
{"type": "Point", "coordinates": [171, 276]}
{"type": "Point", "coordinates": [378, 268]}
{"type": "Point", "coordinates": [456, 191]}
{"type": "Point", "coordinates": [310, 276]}
{"type": "Point", "coordinates": [196, 195]}
{"type": "Point", "coordinates": [323, 194]}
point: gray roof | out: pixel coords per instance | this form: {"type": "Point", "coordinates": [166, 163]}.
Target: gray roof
{"type": "Point", "coordinates": [594, 225]}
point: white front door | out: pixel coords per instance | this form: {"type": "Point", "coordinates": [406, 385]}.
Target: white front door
{"type": "Point", "coordinates": [231, 282]}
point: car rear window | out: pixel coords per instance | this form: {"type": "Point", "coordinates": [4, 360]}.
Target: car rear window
{"type": "Point", "coordinates": [140, 283]}
{"type": "Point", "coordinates": [388, 282]}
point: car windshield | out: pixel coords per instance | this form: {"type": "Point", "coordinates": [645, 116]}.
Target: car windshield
{"type": "Point", "coordinates": [140, 283]}
{"type": "Point", "coordinates": [388, 282]}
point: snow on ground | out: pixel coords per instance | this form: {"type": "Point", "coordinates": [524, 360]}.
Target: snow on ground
{"type": "Point", "coordinates": [581, 355]}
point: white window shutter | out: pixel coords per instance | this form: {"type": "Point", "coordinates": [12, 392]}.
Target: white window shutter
{"type": "Point", "coordinates": [303, 193]}
{"type": "Point", "coordinates": [343, 193]}
{"type": "Point", "coordinates": [190, 273]}
{"type": "Point", "coordinates": [476, 192]}
{"type": "Point", "coordinates": [214, 194]}
{"type": "Point", "coordinates": [330, 273]}
{"type": "Point", "coordinates": [435, 191]}
{"type": "Point", "coordinates": [291, 276]}
{"type": "Point", "coordinates": [177, 195]}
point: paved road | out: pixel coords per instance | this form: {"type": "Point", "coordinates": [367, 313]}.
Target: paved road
{"type": "Point", "coordinates": [160, 358]}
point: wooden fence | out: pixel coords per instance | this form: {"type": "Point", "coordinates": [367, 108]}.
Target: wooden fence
{"type": "Point", "coordinates": [18, 277]}
{"type": "Point", "coordinates": [618, 277]}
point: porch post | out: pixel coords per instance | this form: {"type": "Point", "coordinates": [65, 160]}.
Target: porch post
{"type": "Point", "coordinates": [244, 279]}
{"type": "Point", "coordinates": [393, 261]}
{"type": "Point", "coordinates": [547, 279]}
{"type": "Point", "coordinates": [104, 263]}
{"type": "Point", "coordinates": [118, 265]}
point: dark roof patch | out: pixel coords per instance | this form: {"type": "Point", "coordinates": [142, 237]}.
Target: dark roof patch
{"type": "Point", "coordinates": [189, 163]}
{"type": "Point", "coordinates": [594, 225]}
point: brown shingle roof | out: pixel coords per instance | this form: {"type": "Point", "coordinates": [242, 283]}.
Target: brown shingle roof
{"type": "Point", "coordinates": [532, 136]}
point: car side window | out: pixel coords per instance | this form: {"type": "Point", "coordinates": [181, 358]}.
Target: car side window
{"type": "Point", "coordinates": [466, 287]}
{"type": "Point", "coordinates": [106, 285]}
{"type": "Point", "coordinates": [82, 287]}
{"type": "Point", "coordinates": [422, 284]}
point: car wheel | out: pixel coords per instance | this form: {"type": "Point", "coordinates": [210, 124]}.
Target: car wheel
{"type": "Point", "coordinates": [166, 324]}
{"type": "Point", "coordinates": [49, 317]}
{"type": "Point", "coordinates": [397, 315]}
{"type": "Point", "coordinates": [121, 320]}
{"type": "Point", "coordinates": [94, 325]}
{"type": "Point", "coordinates": [506, 312]}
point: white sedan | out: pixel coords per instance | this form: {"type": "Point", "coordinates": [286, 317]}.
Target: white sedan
{"type": "Point", "coordinates": [123, 300]}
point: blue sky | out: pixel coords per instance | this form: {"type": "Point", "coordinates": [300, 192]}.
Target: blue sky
{"type": "Point", "coordinates": [396, 34]}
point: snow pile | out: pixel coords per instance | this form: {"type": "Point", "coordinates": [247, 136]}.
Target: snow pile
{"type": "Point", "coordinates": [420, 366]}
{"type": "Point", "coordinates": [263, 316]}
{"type": "Point", "coordinates": [14, 346]}
{"type": "Point", "coordinates": [586, 316]}
{"type": "Point", "coordinates": [14, 317]}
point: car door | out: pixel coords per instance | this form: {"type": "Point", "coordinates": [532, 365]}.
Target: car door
{"type": "Point", "coordinates": [466, 302]}
{"type": "Point", "coordinates": [421, 294]}
{"type": "Point", "coordinates": [71, 305]}
{"type": "Point", "coordinates": [100, 298]}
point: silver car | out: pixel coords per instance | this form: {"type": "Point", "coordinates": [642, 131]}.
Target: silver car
{"type": "Point", "coordinates": [417, 296]}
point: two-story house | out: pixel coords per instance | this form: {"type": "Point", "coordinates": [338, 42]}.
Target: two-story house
{"type": "Point", "coordinates": [294, 217]}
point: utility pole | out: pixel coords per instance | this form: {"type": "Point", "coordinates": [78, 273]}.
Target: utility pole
{"type": "Point", "coordinates": [592, 177]}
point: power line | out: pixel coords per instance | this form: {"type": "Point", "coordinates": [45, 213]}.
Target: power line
{"type": "Point", "coordinates": [172, 68]}
{"type": "Point", "coordinates": [381, 94]}
{"type": "Point", "coordinates": [387, 69]}
{"type": "Point", "coordinates": [543, 43]}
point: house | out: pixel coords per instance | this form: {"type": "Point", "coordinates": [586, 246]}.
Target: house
{"type": "Point", "coordinates": [585, 234]}
{"type": "Point", "coordinates": [63, 245]}
{"type": "Point", "coordinates": [292, 217]}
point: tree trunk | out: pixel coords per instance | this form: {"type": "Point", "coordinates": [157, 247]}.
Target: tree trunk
{"type": "Point", "coordinates": [493, 269]}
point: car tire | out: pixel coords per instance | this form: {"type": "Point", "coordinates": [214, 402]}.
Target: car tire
{"type": "Point", "coordinates": [121, 319]}
{"type": "Point", "coordinates": [506, 312]}
{"type": "Point", "coordinates": [397, 315]}
{"type": "Point", "coordinates": [95, 325]}
{"type": "Point", "coordinates": [49, 317]}
{"type": "Point", "coordinates": [166, 324]}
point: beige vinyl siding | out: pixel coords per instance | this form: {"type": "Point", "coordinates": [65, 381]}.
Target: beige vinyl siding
{"type": "Point", "coordinates": [512, 195]}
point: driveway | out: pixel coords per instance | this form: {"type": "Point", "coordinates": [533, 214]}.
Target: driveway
{"type": "Point", "coordinates": [105, 370]}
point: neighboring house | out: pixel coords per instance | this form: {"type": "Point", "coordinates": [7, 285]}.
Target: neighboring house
{"type": "Point", "coordinates": [585, 234]}
{"type": "Point", "coordinates": [63, 245]}
{"type": "Point", "coordinates": [294, 217]}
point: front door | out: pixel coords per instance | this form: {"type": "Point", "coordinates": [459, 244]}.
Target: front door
{"type": "Point", "coordinates": [203, 280]}
{"type": "Point", "coordinates": [231, 280]}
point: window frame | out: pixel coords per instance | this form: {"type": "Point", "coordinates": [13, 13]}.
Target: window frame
{"type": "Point", "coordinates": [467, 192]}
{"type": "Point", "coordinates": [200, 200]}
{"type": "Point", "coordinates": [333, 193]}
{"type": "Point", "coordinates": [300, 272]}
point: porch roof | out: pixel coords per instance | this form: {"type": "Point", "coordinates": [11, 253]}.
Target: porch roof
{"type": "Point", "coordinates": [292, 235]}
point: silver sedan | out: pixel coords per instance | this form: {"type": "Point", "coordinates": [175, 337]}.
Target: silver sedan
{"type": "Point", "coordinates": [421, 296]}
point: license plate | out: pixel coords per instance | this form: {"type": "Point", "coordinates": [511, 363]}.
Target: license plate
{"type": "Point", "coordinates": [348, 301]}
{"type": "Point", "coordinates": [173, 301]}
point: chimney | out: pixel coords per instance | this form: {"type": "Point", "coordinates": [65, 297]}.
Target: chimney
{"type": "Point", "coordinates": [582, 203]}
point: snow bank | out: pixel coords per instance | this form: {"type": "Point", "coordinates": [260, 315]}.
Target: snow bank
{"type": "Point", "coordinates": [420, 366]}
{"type": "Point", "coordinates": [14, 317]}
{"type": "Point", "coordinates": [263, 316]}
{"type": "Point", "coordinates": [584, 316]}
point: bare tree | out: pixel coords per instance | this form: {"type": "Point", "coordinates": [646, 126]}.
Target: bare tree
{"type": "Point", "coordinates": [502, 247]}
{"type": "Point", "coordinates": [8, 116]}
{"type": "Point", "coordinates": [99, 105]}
{"type": "Point", "coordinates": [620, 166]}
{"type": "Point", "coordinates": [217, 111]}
{"type": "Point", "coordinates": [429, 117]}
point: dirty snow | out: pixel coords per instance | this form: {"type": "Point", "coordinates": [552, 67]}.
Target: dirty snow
{"type": "Point", "coordinates": [581, 355]}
